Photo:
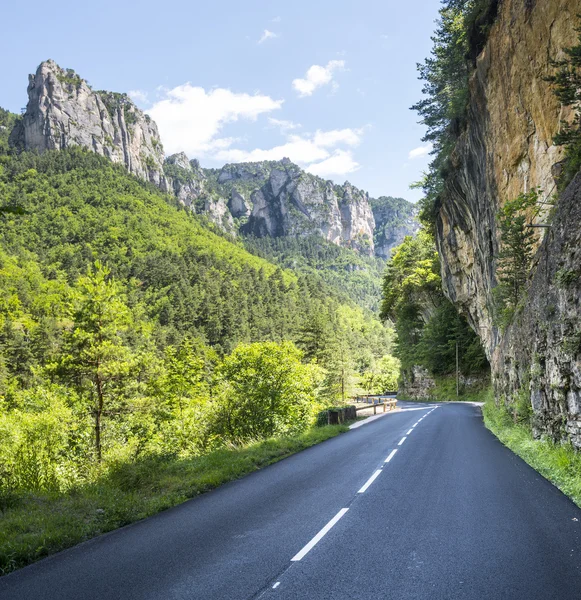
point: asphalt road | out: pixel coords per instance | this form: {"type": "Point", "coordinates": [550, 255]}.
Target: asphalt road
{"type": "Point", "coordinates": [452, 514]}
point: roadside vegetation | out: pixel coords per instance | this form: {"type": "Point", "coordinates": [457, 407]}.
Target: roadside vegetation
{"type": "Point", "coordinates": [144, 357]}
{"type": "Point", "coordinates": [34, 525]}
{"type": "Point", "coordinates": [560, 463]}
{"type": "Point", "coordinates": [427, 324]}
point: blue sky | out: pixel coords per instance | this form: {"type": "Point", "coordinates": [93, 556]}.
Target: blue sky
{"type": "Point", "coordinates": [327, 83]}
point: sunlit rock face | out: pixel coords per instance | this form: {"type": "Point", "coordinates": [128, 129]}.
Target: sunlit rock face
{"type": "Point", "coordinates": [290, 201]}
{"type": "Point", "coordinates": [507, 149]}
{"type": "Point", "coordinates": [269, 198]}
{"type": "Point", "coordinates": [64, 111]}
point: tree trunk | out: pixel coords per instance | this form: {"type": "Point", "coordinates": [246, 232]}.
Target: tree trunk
{"type": "Point", "coordinates": [98, 413]}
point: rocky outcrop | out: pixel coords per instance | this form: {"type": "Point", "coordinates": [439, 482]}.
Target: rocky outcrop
{"type": "Point", "coordinates": [270, 198]}
{"type": "Point", "coordinates": [64, 111]}
{"type": "Point", "coordinates": [237, 205]}
{"type": "Point", "coordinates": [507, 149]}
{"type": "Point", "coordinates": [395, 218]}
{"type": "Point", "coordinates": [186, 178]}
{"type": "Point", "coordinates": [288, 201]}
{"type": "Point", "coordinates": [540, 353]}
{"type": "Point", "coordinates": [417, 384]}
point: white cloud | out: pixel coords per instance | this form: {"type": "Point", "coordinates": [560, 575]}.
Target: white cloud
{"type": "Point", "coordinates": [138, 96]}
{"type": "Point", "coordinates": [266, 36]}
{"type": "Point", "coordinates": [190, 118]}
{"type": "Point", "coordinates": [317, 76]}
{"type": "Point", "coordinates": [283, 125]}
{"type": "Point", "coordinates": [277, 19]}
{"type": "Point", "coordinates": [420, 151]}
{"type": "Point", "coordinates": [349, 137]}
{"type": "Point", "coordinates": [340, 163]}
{"type": "Point", "coordinates": [320, 153]}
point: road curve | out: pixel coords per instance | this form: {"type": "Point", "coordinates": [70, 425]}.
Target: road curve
{"type": "Point", "coordinates": [423, 503]}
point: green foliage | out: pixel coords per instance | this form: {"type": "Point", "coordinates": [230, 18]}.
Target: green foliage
{"type": "Point", "coordinates": [8, 121]}
{"type": "Point", "coordinates": [427, 324]}
{"type": "Point", "coordinates": [353, 277]}
{"type": "Point", "coordinates": [383, 377]}
{"type": "Point", "coordinates": [560, 463]}
{"type": "Point", "coordinates": [267, 391]}
{"type": "Point", "coordinates": [69, 78]}
{"type": "Point", "coordinates": [32, 527]}
{"type": "Point", "coordinates": [516, 251]}
{"type": "Point", "coordinates": [129, 330]}
{"type": "Point", "coordinates": [134, 341]}
{"type": "Point", "coordinates": [460, 35]}
{"type": "Point", "coordinates": [567, 88]}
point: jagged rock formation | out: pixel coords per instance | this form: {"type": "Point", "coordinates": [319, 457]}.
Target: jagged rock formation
{"type": "Point", "coordinates": [270, 198]}
{"type": "Point", "coordinates": [540, 353]}
{"type": "Point", "coordinates": [63, 111]}
{"type": "Point", "coordinates": [395, 218]}
{"type": "Point", "coordinates": [186, 177]}
{"type": "Point", "coordinates": [507, 149]}
{"type": "Point", "coordinates": [290, 201]}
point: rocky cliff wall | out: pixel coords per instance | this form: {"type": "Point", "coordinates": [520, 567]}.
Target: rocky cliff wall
{"type": "Point", "coordinates": [540, 353]}
{"type": "Point", "coordinates": [506, 149]}
{"type": "Point", "coordinates": [63, 111]}
{"type": "Point", "coordinates": [270, 198]}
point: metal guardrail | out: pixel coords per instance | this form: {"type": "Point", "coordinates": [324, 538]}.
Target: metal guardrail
{"type": "Point", "coordinates": [385, 403]}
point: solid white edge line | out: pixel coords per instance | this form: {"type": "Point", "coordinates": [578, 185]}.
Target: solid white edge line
{"type": "Point", "coordinates": [391, 455]}
{"type": "Point", "coordinates": [410, 431]}
{"type": "Point", "coordinates": [370, 481]}
{"type": "Point", "coordinates": [403, 439]}
{"type": "Point", "coordinates": [319, 536]}
{"type": "Point", "coordinates": [276, 585]}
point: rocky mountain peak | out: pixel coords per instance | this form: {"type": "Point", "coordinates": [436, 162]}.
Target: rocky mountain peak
{"type": "Point", "coordinates": [63, 110]}
{"type": "Point", "coordinates": [268, 198]}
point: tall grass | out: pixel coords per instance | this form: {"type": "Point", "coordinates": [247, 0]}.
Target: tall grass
{"type": "Point", "coordinates": [35, 525]}
{"type": "Point", "coordinates": [559, 463]}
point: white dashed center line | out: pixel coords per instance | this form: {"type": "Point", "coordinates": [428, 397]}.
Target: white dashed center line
{"type": "Point", "coordinates": [403, 439]}
{"type": "Point", "coordinates": [410, 431]}
{"type": "Point", "coordinates": [276, 585]}
{"type": "Point", "coordinates": [391, 455]}
{"type": "Point", "coordinates": [319, 535]}
{"type": "Point", "coordinates": [370, 481]}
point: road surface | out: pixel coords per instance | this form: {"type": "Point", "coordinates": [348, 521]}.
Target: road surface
{"type": "Point", "coordinates": [424, 503]}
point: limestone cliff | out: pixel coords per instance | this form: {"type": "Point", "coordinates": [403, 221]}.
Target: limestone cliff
{"type": "Point", "coordinates": [63, 111]}
{"type": "Point", "coordinates": [506, 149]}
{"type": "Point", "coordinates": [277, 198]}
{"type": "Point", "coordinates": [270, 198]}
{"type": "Point", "coordinates": [395, 218]}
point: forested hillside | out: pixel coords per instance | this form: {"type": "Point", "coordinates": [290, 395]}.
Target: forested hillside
{"type": "Point", "coordinates": [123, 316]}
{"type": "Point", "coordinates": [135, 333]}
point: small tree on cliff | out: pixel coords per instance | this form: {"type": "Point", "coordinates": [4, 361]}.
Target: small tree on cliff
{"type": "Point", "coordinates": [567, 88]}
{"type": "Point", "coordinates": [516, 252]}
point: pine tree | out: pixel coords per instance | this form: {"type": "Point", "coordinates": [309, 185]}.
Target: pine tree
{"type": "Point", "coordinates": [97, 359]}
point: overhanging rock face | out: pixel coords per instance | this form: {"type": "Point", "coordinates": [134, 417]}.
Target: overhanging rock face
{"type": "Point", "coordinates": [507, 149]}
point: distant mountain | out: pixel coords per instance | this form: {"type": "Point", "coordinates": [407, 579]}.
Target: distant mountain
{"type": "Point", "coordinates": [263, 199]}
{"type": "Point", "coordinates": [394, 219]}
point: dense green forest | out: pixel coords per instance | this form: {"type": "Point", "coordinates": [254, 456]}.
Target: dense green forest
{"type": "Point", "coordinates": [461, 32]}
{"type": "Point", "coordinates": [428, 325]}
{"type": "Point", "coordinates": [130, 329]}
{"type": "Point", "coordinates": [352, 276]}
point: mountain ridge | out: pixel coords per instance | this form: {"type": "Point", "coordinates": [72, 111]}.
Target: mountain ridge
{"type": "Point", "coordinates": [269, 198]}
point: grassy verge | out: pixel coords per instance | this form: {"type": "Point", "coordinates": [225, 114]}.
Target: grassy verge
{"type": "Point", "coordinates": [559, 463]}
{"type": "Point", "coordinates": [36, 525]}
